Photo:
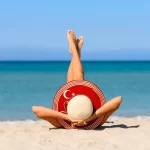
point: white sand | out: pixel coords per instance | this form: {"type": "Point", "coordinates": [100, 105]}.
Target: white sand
{"type": "Point", "coordinates": [120, 135]}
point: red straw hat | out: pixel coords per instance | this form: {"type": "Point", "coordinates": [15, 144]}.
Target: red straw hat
{"type": "Point", "coordinates": [72, 89]}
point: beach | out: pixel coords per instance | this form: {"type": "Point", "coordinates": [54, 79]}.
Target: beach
{"type": "Point", "coordinates": [123, 134]}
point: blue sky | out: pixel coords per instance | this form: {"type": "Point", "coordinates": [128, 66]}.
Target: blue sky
{"type": "Point", "coordinates": [35, 29]}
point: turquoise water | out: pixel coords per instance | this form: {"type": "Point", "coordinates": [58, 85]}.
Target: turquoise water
{"type": "Point", "coordinates": [24, 84]}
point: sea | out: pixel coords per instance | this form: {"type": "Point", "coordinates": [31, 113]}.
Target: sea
{"type": "Point", "coordinates": [24, 84]}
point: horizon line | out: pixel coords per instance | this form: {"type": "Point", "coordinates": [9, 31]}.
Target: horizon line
{"type": "Point", "coordinates": [70, 60]}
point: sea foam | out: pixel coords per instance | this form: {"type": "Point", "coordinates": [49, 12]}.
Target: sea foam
{"type": "Point", "coordinates": [112, 118]}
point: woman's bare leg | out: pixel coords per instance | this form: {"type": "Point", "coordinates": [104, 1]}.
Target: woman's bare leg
{"type": "Point", "coordinates": [70, 74]}
{"type": "Point", "coordinates": [78, 73]}
{"type": "Point", "coordinates": [107, 109]}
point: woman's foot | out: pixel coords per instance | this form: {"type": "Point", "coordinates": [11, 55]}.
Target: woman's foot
{"type": "Point", "coordinates": [79, 43]}
{"type": "Point", "coordinates": [72, 41]}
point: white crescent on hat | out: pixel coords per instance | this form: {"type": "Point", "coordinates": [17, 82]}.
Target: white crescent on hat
{"type": "Point", "coordinates": [64, 94]}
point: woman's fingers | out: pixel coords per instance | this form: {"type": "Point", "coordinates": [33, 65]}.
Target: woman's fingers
{"type": "Point", "coordinates": [83, 123]}
{"type": "Point", "coordinates": [73, 124]}
{"type": "Point", "coordinates": [78, 123]}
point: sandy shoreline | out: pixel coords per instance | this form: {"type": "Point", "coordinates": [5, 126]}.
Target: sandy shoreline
{"type": "Point", "coordinates": [122, 135]}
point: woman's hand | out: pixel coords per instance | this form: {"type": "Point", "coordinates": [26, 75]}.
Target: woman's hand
{"type": "Point", "coordinates": [71, 119]}
{"type": "Point", "coordinates": [79, 123]}
{"type": "Point", "coordinates": [75, 122]}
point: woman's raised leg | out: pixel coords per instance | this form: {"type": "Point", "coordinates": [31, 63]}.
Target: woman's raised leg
{"type": "Point", "coordinates": [70, 74]}
{"type": "Point", "coordinates": [78, 72]}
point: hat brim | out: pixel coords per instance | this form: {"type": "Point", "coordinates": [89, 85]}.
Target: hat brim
{"type": "Point", "coordinates": [74, 88]}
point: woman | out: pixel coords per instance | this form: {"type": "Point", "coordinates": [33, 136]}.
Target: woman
{"type": "Point", "coordinates": [76, 72]}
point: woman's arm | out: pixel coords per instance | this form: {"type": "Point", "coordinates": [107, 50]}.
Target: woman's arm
{"type": "Point", "coordinates": [42, 112]}
{"type": "Point", "coordinates": [110, 106]}
{"type": "Point", "coordinates": [59, 115]}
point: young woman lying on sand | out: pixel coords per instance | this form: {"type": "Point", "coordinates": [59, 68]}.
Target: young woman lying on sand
{"type": "Point", "coordinates": [76, 72]}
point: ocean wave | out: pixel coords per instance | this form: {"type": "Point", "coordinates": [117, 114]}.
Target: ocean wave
{"type": "Point", "coordinates": [112, 118]}
{"type": "Point", "coordinates": [27, 121]}
{"type": "Point", "coordinates": [115, 118]}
